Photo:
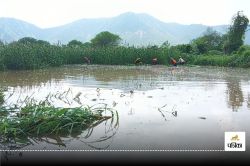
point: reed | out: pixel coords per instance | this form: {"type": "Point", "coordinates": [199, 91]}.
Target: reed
{"type": "Point", "coordinates": [19, 56]}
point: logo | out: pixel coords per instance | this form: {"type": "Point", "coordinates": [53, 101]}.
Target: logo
{"type": "Point", "coordinates": [235, 141]}
{"type": "Point", "coordinates": [235, 138]}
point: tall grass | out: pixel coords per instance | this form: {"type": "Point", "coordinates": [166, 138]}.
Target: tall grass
{"type": "Point", "coordinates": [19, 55]}
{"type": "Point", "coordinates": [32, 56]}
{"type": "Point", "coordinates": [125, 56]}
{"type": "Point", "coordinates": [210, 60]}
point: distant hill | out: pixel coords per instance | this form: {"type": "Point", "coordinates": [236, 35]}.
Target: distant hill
{"type": "Point", "coordinates": [134, 29]}
{"type": "Point", "coordinates": [13, 29]}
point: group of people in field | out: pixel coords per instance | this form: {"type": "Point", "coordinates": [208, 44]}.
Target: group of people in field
{"type": "Point", "coordinates": [181, 61]}
{"type": "Point", "coordinates": [138, 61]}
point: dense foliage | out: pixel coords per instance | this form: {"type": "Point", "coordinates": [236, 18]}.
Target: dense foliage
{"type": "Point", "coordinates": [211, 40]}
{"type": "Point", "coordinates": [105, 39]}
{"type": "Point", "coordinates": [234, 38]}
{"type": "Point", "coordinates": [18, 55]}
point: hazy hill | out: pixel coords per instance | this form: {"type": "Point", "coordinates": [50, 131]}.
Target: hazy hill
{"type": "Point", "coordinates": [135, 29]}
{"type": "Point", "coordinates": [13, 29]}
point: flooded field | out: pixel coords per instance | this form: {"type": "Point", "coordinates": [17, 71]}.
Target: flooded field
{"type": "Point", "coordinates": [158, 107]}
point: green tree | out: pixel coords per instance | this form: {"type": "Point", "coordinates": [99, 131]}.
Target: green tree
{"type": "Point", "coordinates": [211, 40]}
{"type": "Point", "coordinates": [105, 39]}
{"type": "Point", "coordinates": [42, 42]}
{"type": "Point", "coordinates": [236, 33]}
{"type": "Point", "coordinates": [87, 44]}
{"type": "Point", "coordinates": [184, 48]}
{"type": "Point", "coordinates": [27, 40]}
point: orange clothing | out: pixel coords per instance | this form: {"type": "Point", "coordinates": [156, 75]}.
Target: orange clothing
{"type": "Point", "coordinates": [173, 62]}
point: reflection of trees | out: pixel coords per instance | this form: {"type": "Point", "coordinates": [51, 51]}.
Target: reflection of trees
{"type": "Point", "coordinates": [126, 78]}
{"type": "Point", "coordinates": [100, 73]}
{"type": "Point", "coordinates": [30, 78]}
{"type": "Point", "coordinates": [114, 74]}
{"type": "Point", "coordinates": [235, 94]}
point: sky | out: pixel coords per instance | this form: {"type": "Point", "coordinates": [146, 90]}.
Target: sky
{"type": "Point", "coordinates": [51, 13]}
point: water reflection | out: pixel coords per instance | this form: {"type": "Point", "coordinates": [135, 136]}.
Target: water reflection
{"type": "Point", "coordinates": [234, 94]}
{"type": "Point", "coordinates": [118, 76]}
{"type": "Point", "coordinates": [128, 78]}
{"type": "Point", "coordinates": [30, 78]}
{"type": "Point", "coordinates": [108, 74]}
{"type": "Point", "coordinates": [155, 103]}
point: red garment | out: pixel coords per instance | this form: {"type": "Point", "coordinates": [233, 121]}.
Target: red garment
{"type": "Point", "coordinates": [173, 62]}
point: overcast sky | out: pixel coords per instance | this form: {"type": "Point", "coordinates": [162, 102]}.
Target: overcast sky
{"type": "Point", "coordinates": [49, 13]}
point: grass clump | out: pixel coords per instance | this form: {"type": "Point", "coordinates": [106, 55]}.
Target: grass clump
{"type": "Point", "coordinates": [40, 120]}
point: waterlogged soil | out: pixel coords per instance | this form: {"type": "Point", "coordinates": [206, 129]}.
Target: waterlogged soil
{"type": "Point", "coordinates": [159, 107]}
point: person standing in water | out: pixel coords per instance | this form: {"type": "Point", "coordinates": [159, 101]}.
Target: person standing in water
{"type": "Point", "coordinates": [181, 61]}
{"type": "Point", "coordinates": [173, 62]}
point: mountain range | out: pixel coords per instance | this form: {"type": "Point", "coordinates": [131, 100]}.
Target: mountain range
{"type": "Point", "coordinates": [133, 28]}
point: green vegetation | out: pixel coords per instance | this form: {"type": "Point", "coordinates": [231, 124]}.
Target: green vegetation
{"type": "Point", "coordinates": [234, 38]}
{"type": "Point", "coordinates": [211, 40]}
{"type": "Point", "coordinates": [216, 49]}
{"type": "Point", "coordinates": [1, 96]}
{"type": "Point", "coordinates": [18, 55]}
{"type": "Point", "coordinates": [36, 121]}
{"type": "Point", "coordinates": [212, 48]}
{"type": "Point", "coordinates": [40, 121]}
{"type": "Point", "coordinates": [105, 38]}
{"type": "Point", "coordinates": [211, 60]}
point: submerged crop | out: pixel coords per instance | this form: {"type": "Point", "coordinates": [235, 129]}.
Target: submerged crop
{"type": "Point", "coordinates": [21, 125]}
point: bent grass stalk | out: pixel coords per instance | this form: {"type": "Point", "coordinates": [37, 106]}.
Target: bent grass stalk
{"type": "Point", "coordinates": [36, 121]}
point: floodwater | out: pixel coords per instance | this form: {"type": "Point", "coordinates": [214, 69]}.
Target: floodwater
{"type": "Point", "coordinates": [158, 107]}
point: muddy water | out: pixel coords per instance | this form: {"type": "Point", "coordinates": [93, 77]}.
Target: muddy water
{"type": "Point", "coordinates": [158, 107]}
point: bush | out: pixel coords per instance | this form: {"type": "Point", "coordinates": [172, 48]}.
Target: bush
{"type": "Point", "coordinates": [215, 52]}
{"type": "Point", "coordinates": [243, 48]}
{"type": "Point", "coordinates": [212, 60]}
